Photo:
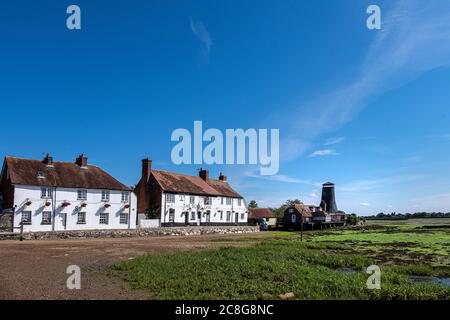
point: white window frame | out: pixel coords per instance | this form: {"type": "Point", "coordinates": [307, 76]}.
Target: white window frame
{"type": "Point", "coordinates": [242, 215]}
{"type": "Point", "coordinates": [123, 218]}
{"type": "Point", "coordinates": [125, 196]}
{"type": "Point", "coordinates": [239, 201]}
{"type": "Point", "coordinates": [229, 201]}
{"type": "Point", "coordinates": [193, 215]}
{"type": "Point", "coordinates": [46, 221]}
{"type": "Point", "coordinates": [27, 221]}
{"type": "Point", "coordinates": [228, 216]}
{"type": "Point", "coordinates": [192, 199]}
{"type": "Point", "coordinates": [79, 215]}
{"type": "Point", "coordinates": [170, 198]}
{"type": "Point", "coordinates": [106, 195]}
{"type": "Point", "coordinates": [46, 193]}
{"type": "Point", "coordinates": [221, 215]}
{"type": "Point", "coordinates": [102, 219]}
{"type": "Point", "coordinates": [82, 194]}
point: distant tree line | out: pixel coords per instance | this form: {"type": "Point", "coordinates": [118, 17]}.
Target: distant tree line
{"type": "Point", "coordinates": [405, 216]}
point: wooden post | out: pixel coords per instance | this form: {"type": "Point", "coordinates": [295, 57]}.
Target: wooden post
{"type": "Point", "coordinates": [21, 231]}
{"type": "Point", "coordinates": [301, 227]}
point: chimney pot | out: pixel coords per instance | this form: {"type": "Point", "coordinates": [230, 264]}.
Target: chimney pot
{"type": "Point", "coordinates": [204, 174]}
{"type": "Point", "coordinates": [82, 161]}
{"type": "Point", "coordinates": [146, 168]}
{"type": "Point", "coordinates": [222, 177]}
{"type": "Point", "coordinates": [48, 160]}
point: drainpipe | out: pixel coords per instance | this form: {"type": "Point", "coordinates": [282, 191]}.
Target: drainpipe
{"type": "Point", "coordinates": [165, 201]}
{"type": "Point", "coordinates": [129, 210]}
{"type": "Point", "coordinates": [54, 208]}
{"type": "Point", "coordinates": [233, 214]}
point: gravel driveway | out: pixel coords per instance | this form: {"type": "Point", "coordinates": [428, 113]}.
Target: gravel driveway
{"type": "Point", "coordinates": [37, 269]}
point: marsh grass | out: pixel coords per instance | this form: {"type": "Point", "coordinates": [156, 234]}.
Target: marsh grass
{"type": "Point", "coordinates": [309, 269]}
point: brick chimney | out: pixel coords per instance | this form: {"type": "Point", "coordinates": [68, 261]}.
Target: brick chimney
{"type": "Point", "coordinates": [82, 161]}
{"type": "Point", "coordinates": [143, 187]}
{"type": "Point", "coordinates": [222, 177]}
{"type": "Point", "coordinates": [204, 174]}
{"type": "Point", "coordinates": [146, 169]}
{"type": "Point", "coordinates": [48, 160]}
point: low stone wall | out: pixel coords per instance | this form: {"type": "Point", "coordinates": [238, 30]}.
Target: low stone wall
{"type": "Point", "coordinates": [6, 222]}
{"type": "Point", "coordinates": [140, 232]}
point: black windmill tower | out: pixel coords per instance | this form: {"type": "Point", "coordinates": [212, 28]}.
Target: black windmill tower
{"type": "Point", "coordinates": [328, 203]}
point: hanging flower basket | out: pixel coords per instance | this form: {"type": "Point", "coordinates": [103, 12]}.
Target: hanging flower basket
{"type": "Point", "coordinates": [127, 206]}
{"type": "Point", "coordinates": [83, 205]}
{"type": "Point", "coordinates": [48, 203]}
{"type": "Point", "coordinates": [66, 204]}
{"type": "Point", "coordinates": [28, 203]}
{"type": "Point", "coordinates": [107, 205]}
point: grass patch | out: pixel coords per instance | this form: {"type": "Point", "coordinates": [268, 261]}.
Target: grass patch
{"type": "Point", "coordinates": [278, 265]}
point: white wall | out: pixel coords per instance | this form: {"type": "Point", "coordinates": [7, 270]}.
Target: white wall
{"type": "Point", "coordinates": [181, 206]}
{"type": "Point", "coordinates": [65, 218]}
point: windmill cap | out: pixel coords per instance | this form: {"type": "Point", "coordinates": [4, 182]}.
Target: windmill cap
{"type": "Point", "coordinates": [328, 184]}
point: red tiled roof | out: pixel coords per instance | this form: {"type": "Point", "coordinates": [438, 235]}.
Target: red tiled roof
{"type": "Point", "coordinates": [183, 183]}
{"type": "Point", "coordinates": [320, 214]}
{"type": "Point", "coordinates": [60, 174]}
{"type": "Point", "coordinates": [260, 213]}
{"type": "Point", "coordinates": [301, 209]}
{"type": "Point", "coordinates": [223, 188]}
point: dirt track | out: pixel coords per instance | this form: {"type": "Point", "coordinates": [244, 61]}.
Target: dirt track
{"type": "Point", "coordinates": [37, 269]}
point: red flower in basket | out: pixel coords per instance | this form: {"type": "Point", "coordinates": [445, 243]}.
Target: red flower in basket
{"type": "Point", "coordinates": [127, 206]}
{"type": "Point", "coordinates": [107, 205]}
{"type": "Point", "coordinates": [48, 203]}
{"type": "Point", "coordinates": [83, 205]}
{"type": "Point", "coordinates": [66, 204]}
{"type": "Point", "coordinates": [28, 203]}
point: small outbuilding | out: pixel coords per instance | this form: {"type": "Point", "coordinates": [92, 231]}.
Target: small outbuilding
{"type": "Point", "coordinates": [297, 214]}
{"type": "Point", "coordinates": [254, 214]}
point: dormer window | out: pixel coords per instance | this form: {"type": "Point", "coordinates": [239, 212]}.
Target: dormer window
{"type": "Point", "coordinates": [46, 193]}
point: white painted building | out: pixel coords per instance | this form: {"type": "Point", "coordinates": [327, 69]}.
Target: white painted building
{"type": "Point", "coordinates": [53, 196]}
{"type": "Point", "coordinates": [180, 199]}
{"type": "Point", "coordinates": [193, 209]}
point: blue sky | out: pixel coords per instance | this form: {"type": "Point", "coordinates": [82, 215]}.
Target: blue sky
{"type": "Point", "coordinates": [366, 109]}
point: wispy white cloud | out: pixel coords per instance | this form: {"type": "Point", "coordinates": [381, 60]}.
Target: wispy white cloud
{"type": "Point", "coordinates": [325, 152]}
{"type": "Point", "coordinates": [200, 31]}
{"type": "Point", "coordinates": [365, 204]}
{"type": "Point", "coordinates": [312, 195]}
{"type": "Point", "coordinates": [333, 141]}
{"type": "Point", "coordinates": [278, 178]}
{"type": "Point", "coordinates": [371, 184]}
{"type": "Point", "coordinates": [414, 39]}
